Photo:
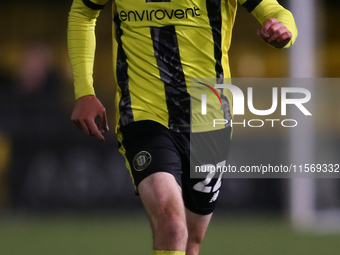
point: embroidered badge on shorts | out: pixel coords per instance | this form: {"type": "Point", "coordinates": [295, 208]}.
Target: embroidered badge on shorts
{"type": "Point", "coordinates": [141, 160]}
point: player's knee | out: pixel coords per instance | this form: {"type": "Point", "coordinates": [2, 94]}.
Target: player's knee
{"type": "Point", "coordinates": [173, 226]}
{"type": "Point", "coordinates": [177, 229]}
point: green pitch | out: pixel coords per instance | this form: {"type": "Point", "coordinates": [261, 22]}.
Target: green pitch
{"type": "Point", "coordinates": [130, 235]}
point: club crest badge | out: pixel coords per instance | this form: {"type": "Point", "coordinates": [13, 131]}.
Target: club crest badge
{"type": "Point", "coordinates": [141, 160]}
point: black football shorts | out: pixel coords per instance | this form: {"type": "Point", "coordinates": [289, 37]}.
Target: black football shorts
{"type": "Point", "coordinates": [149, 147]}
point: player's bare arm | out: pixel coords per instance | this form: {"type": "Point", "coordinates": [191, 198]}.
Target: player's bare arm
{"type": "Point", "coordinates": [275, 33]}
{"type": "Point", "coordinates": [85, 111]}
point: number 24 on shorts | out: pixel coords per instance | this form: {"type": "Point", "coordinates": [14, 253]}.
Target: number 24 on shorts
{"type": "Point", "coordinates": [203, 185]}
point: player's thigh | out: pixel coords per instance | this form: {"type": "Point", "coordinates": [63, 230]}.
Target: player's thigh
{"type": "Point", "coordinates": [162, 197]}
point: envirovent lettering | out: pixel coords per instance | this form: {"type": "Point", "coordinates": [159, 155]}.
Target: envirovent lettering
{"type": "Point", "coordinates": [159, 14]}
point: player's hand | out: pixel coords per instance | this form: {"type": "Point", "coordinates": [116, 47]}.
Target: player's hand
{"type": "Point", "coordinates": [85, 111]}
{"type": "Point", "coordinates": [275, 33]}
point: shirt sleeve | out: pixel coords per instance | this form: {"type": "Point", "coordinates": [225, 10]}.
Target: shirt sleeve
{"type": "Point", "coordinates": [266, 9]}
{"type": "Point", "coordinates": [82, 43]}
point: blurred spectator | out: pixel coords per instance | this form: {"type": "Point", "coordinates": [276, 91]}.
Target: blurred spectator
{"type": "Point", "coordinates": [31, 111]}
{"type": "Point", "coordinates": [35, 70]}
{"type": "Point", "coordinates": [37, 94]}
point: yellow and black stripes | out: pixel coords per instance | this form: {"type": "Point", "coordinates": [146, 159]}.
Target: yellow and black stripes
{"type": "Point", "coordinates": [125, 110]}
{"type": "Point", "coordinates": [250, 5]}
{"type": "Point", "coordinates": [159, 45]}
{"type": "Point", "coordinates": [92, 5]}
{"type": "Point", "coordinates": [155, 1]}
{"type": "Point", "coordinates": [215, 20]}
{"type": "Point", "coordinates": [169, 64]}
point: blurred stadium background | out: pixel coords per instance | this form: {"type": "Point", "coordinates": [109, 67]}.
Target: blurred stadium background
{"type": "Point", "coordinates": [64, 193]}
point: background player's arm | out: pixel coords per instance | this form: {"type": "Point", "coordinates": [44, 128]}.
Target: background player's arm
{"type": "Point", "coordinates": [278, 25]}
{"type": "Point", "coordinates": [81, 46]}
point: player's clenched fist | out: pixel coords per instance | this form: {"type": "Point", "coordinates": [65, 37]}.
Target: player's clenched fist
{"type": "Point", "coordinates": [87, 108]}
{"type": "Point", "coordinates": [275, 33]}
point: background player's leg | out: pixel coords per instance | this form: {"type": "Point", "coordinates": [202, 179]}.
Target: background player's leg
{"type": "Point", "coordinates": [162, 199]}
{"type": "Point", "coordinates": [197, 227]}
